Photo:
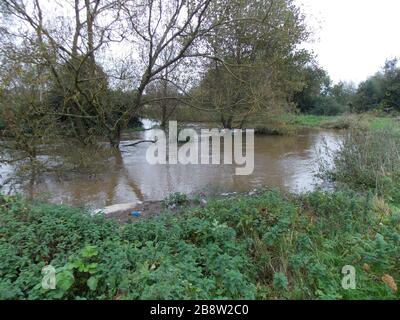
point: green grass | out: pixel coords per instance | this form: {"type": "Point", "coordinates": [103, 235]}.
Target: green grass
{"type": "Point", "coordinates": [268, 246]}
{"type": "Point", "coordinates": [366, 121]}
{"type": "Point", "coordinates": [310, 121]}
{"type": "Point", "coordinates": [287, 124]}
{"type": "Point", "coordinates": [379, 123]}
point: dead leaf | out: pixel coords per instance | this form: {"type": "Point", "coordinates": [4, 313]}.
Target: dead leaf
{"type": "Point", "coordinates": [390, 282]}
{"type": "Point", "coordinates": [366, 267]}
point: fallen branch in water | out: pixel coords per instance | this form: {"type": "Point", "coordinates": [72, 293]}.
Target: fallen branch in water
{"type": "Point", "coordinates": [139, 142]}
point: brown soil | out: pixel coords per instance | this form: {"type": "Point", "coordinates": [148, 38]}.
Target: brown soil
{"type": "Point", "coordinates": [147, 209]}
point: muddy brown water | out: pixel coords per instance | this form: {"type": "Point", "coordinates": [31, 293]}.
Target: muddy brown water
{"type": "Point", "coordinates": [285, 162]}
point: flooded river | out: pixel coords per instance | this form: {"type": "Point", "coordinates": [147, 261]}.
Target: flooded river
{"type": "Point", "coordinates": [285, 162]}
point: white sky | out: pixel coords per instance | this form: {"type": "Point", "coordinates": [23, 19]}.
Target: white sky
{"type": "Point", "coordinates": [353, 38]}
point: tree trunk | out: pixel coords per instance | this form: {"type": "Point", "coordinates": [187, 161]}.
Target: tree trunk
{"type": "Point", "coordinates": [115, 138]}
{"type": "Point", "coordinates": [163, 116]}
{"type": "Point", "coordinates": [89, 17]}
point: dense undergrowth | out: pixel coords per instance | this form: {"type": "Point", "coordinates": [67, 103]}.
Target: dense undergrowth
{"type": "Point", "coordinates": [369, 160]}
{"type": "Point", "coordinates": [264, 247]}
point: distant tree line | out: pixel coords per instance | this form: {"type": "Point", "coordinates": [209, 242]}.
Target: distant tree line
{"type": "Point", "coordinates": [380, 92]}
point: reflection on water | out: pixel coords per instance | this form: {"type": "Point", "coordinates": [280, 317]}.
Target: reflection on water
{"type": "Point", "coordinates": [287, 162]}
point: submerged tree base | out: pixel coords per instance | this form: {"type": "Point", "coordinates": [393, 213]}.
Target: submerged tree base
{"type": "Point", "coordinates": [265, 246]}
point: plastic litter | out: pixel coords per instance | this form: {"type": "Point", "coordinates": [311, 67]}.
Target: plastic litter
{"type": "Point", "coordinates": [136, 214]}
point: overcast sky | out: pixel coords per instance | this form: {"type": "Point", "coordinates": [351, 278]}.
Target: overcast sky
{"type": "Point", "coordinates": [353, 38]}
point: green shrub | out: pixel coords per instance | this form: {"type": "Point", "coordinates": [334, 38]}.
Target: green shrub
{"type": "Point", "coordinates": [328, 106]}
{"type": "Point", "coordinates": [369, 160]}
{"type": "Point", "coordinates": [166, 258]}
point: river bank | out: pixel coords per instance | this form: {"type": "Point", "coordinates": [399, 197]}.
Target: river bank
{"type": "Point", "coordinates": [261, 246]}
{"type": "Point", "coordinates": [175, 203]}
{"type": "Point", "coordinates": [290, 124]}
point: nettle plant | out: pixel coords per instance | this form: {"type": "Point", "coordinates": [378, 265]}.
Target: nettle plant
{"type": "Point", "coordinates": [176, 200]}
{"type": "Point", "coordinates": [77, 278]}
{"type": "Point", "coordinates": [267, 246]}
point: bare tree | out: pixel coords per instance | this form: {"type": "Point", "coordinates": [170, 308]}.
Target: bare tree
{"type": "Point", "coordinates": [68, 50]}
{"type": "Point", "coordinates": [147, 29]}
